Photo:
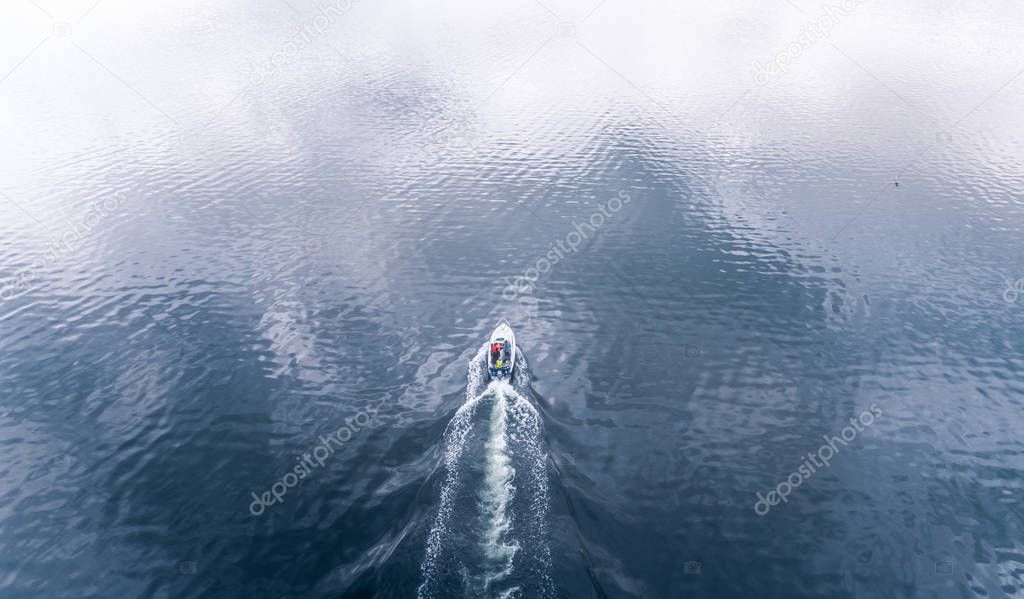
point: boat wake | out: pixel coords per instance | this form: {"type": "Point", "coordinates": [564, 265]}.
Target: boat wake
{"type": "Point", "coordinates": [489, 538]}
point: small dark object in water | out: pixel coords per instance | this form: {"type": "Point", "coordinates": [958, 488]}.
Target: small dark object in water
{"type": "Point", "coordinates": [896, 183]}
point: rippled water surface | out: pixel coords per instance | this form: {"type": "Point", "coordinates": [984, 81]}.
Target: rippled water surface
{"type": "Point", "coordinates": [254, 248]}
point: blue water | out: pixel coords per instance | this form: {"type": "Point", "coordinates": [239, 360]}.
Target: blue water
{"type": "Point", "coordinates": [250, 253]}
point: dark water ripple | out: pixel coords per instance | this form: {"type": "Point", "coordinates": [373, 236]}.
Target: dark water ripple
{"type": "Point", "coordinates": [327, 249]}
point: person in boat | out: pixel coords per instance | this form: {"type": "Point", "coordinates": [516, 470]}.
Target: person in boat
{"type": "Point", "coordinates": [495, 352]}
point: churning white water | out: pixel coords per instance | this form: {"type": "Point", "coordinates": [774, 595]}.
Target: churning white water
{"type": "Point", "coordinates": [498, 546]}
{"type": "Point", "coordinates": [502, 540]}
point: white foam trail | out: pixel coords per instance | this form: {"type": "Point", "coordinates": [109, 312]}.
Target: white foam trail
{"type": "Point", "coordinates": [526, 437]}
{"type": "Point", "coordinates": [477, 377]}
{"type": "Point", "coordinates": [458, 430]}
{"type": "Point", "coordinates": [514, 430]}
{"type": "Point", "coordinates": [498, 546]}
{"type": "Point", "coordinates": [455, 442]}
{"type": "Point", "coordinates": [521, 375]}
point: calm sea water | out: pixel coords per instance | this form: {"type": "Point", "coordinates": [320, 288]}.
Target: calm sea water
{"type": "Point", "coordinates": [250, 252]}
